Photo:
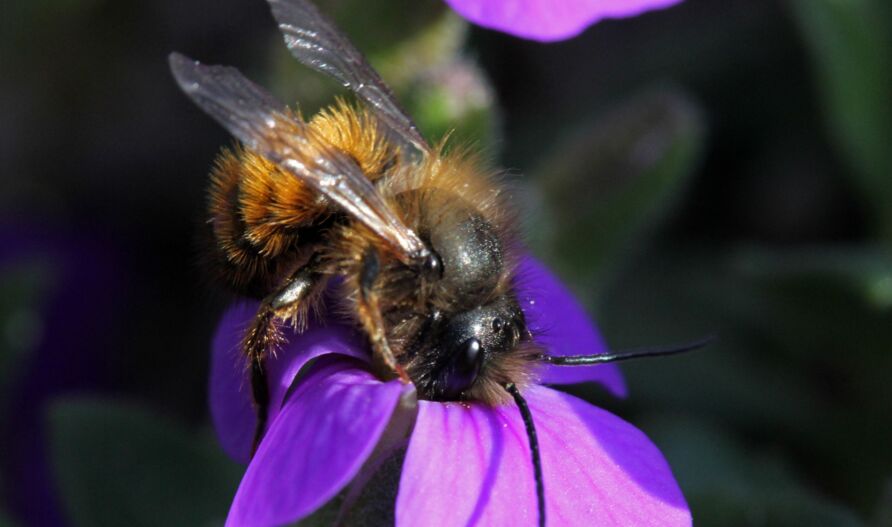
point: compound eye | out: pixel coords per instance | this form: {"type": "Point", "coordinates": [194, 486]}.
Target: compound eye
{"type": "Point", "coordinates": [463, 369]}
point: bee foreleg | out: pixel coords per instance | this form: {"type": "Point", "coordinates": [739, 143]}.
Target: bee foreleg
{"type": "Point", "coordinates": [292, 301]}
{"type": "Point", "coordinates": [370, 314]}
{"type": "Point", "coordinates": [264, 337]}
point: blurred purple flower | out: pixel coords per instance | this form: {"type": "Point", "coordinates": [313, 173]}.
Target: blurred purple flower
{"type": "Point", "coordinates": [549, 20]}
{"type": "Point", "coordinates": [72, 328]}
{"type": "Point", "coordinates": [466, 464]}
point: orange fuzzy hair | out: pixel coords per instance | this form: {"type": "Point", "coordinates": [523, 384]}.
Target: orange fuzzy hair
{"type": "Point", "coordinates": [259, 212]}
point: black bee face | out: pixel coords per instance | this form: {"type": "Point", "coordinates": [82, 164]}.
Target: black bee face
{"type": "Point", "coordinates": [471, 322]}
{"type": "Point", "coordinates": [465, 343]}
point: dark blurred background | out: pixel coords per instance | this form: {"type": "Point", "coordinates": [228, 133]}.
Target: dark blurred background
{"type": "Point", "coordinates": [718, 167]}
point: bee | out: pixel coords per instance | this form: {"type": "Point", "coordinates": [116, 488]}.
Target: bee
{"type": "Point", "coordinates": [420, 238]}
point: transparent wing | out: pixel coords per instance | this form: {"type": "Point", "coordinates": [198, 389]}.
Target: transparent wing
{"type": "Point", "coordinates": [317, 43]}
{"type": "Point", "coordinates": [266, 126]}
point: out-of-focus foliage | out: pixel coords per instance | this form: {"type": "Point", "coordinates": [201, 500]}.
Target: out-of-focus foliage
{"type": "Point", "coordinates": [426, 65]}
{"type": "Point", "coordinates": [23, 285]}
{"type": "Point", "coordinates": [119, 465]}
{"type": "Point", "coordinates": [783, 421]}
{"type": "Point", "coordinates": [22, 288]}
{"type": "Point", "coordinates": [731, 485]}
{"type": "Point", "coordinates": [613, 180]}
{"type": "Point", "coordinates": [719, 167]}
{"type": "Point", "coordinates": [850, 42]}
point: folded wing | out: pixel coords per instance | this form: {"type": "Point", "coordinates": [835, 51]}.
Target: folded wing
{"type": "Point", "coordinates": [316, 42]}
{"type": "Point", "coordinates": [266, 126]}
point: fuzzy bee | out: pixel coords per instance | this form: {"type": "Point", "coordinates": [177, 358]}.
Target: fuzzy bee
{"type": "Point", "coordinates": [420, 238]}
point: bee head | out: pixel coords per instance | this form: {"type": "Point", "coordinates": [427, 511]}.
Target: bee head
{"type": "Point", "coordinates": [474, 324]}
{"type": "Point", "coordinates": [466, 344]}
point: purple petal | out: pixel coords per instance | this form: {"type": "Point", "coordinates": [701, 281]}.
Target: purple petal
{"type": "Point", "coordinates": [470, 465]}
{"type": "Point", "coordinates": [563, 328]}
{"type": "Point", "coordinates": [230, 389]}
{"type": "Point", "coordinates": [466, 465]}
{"type": "Point", "coordinates": [316, 445]}
{"type": "Point", "coordinates": [600, 469]}
{"type": "Point", "coordinates": [549, 20]}
{"type": "Point", "coordinates": [314, 342]}
{"type": "Point", "coordinates": [230, 394]}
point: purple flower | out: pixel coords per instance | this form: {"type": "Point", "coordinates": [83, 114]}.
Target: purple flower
{"type": "Point", "coordinates": [71, 327]}
{"type": "Point", "coordinates": [466, 464]}
{"type": "Point", "coordinates": [549, 20]}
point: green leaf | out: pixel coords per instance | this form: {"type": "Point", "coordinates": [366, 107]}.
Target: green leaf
{"type": "Point", "coordinates": [851, 49]}
{"type": "Point", "coordinates": [118, 464]}
{"type": "Point", "coordinates": [613, 181]}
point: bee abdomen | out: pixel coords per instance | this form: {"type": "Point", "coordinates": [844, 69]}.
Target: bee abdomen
{"type": "Point", "coordinates": [275, 205]}
{"type": "Point", "coordinates": [258, 214]}
{"type": "Point", "coordinates": [263, 217]}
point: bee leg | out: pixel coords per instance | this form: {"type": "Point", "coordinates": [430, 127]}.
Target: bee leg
{"type": "Point", "coordinates": [370, 314]}
{"type": "Point", "coordinates": [264, 336]}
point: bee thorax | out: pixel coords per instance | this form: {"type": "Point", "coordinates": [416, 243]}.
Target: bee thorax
{"type": "Point", "coordinates": [468, 247]}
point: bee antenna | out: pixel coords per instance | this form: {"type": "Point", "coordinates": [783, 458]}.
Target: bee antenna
{"type": "Point", "coordinates": [617, 356]}
{"type": "Point", "coordinates": [534, 447]}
